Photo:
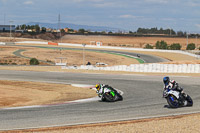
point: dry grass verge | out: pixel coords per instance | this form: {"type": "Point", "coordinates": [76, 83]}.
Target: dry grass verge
{"type": "Point", "coordinates": [73, 57]}
{"type": "Point", "coordinates": [126, 41]}
{"type": "Point", "coordinates": [20, 93]}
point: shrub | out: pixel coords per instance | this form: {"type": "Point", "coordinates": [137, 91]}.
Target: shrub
{"type": "Point", "coordinates": [161, 45]}
{"type": "Point", "coordinates": [175, 46]}
{"type": "Point", "coordinates": [148, 46]}
{"type": "Point", "coordinates": [34, 61]}
{"type": "Point", "coordinates": [191, 46]}
{"type": "Point", "coordinates": [49, 61]}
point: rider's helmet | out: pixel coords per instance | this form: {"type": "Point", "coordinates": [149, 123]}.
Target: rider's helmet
{"type": "Point", "coordinates": [98, 87]}
{"type": "Point", "coordinates": [166, 80]}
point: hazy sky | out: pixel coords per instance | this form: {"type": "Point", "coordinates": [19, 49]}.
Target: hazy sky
{"type": "Point", "coordinates": [125, 14]}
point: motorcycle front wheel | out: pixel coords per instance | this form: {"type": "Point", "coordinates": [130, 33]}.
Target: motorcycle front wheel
{"type": "Point", "coordinates": [172, 101]}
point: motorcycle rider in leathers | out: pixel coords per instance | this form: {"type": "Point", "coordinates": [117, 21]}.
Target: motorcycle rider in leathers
{"type": "Point", "coordinates": [102, 88]}
{"type": "Point", "coordinates": [172, 84]}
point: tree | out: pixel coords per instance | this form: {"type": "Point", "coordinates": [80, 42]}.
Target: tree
{"type": "Point", "coordinates": [70, 30]}
{"type": "Point", "coordinates": [156, 31]}
{"type": "Point", "coordinates": [34, 61]}
{"type": "Point", "coordinates": [28, 27]}
{"type": "Point", "coordinates": [44, 29]}
{"type": "Point", "coordinates": [148, 46]}
{"type": "Point", "coordinates": [191, 46]}
{"type": "Point", "coordinates": [24, 27]}
{"type": "Point", "coordinates": [180, 33]}
{"type": "Point", "coordinates": [17, 28]}
{"type": "Point", "coordinates": [62, 30]}
{"type": "Point", "coordinates": [81, 31]}
{"type": "Point", "coordinates": [37, 28]}
{"type": "Point", "coordinates": [103, 32]}
{"type": "Point", "coordinates": [175, 46]}
{"type": "Point", "coordinates": [130, 32]}
{"type": "Point", "coordinates": [161, 45]}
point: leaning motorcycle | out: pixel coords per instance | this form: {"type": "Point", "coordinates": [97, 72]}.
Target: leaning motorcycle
{"type": "Point", "coordinates": [111, 96]}
{"type": "Point", "coordinates": [176, 99]}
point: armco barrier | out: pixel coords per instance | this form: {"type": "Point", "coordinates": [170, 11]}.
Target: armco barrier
{"type": "Point", "coordinates": [32, 42]}
{"type": "Point", "coordinates": [9, 43]}
{"type": "Point", "coordinates": [148, 68]}
{"type": "Point", "coordinates": [2, 43]}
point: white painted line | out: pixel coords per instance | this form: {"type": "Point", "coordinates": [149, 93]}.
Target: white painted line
{"type": "Point", "coordinates": [82, 85]}
{"type": "Point", "coordinates": [85, 100]}
{"type": "Point", "coordinates": [23, 107]}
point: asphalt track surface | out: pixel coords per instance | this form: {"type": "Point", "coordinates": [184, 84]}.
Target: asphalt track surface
{"type": "Point", "coordinates": [144, 57]}
{"type": "Point", "coordinates": [142, 99]}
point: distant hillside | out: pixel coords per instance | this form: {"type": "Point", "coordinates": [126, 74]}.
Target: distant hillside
{"type": "Point", "coordinates": [75, 27]}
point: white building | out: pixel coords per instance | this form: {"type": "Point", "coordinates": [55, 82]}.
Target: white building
{"type": "Point", "coordinates": [7, 28]}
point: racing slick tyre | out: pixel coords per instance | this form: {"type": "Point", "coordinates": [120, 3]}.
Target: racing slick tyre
{"type": "Point", "coordinates": [109, 97]}
{"type": "Point", "coordinates": [119, 97]}
{"type": "Point", "coordinates": [173, 101]}
{"type": "Point", "coordinates": [189, 101]}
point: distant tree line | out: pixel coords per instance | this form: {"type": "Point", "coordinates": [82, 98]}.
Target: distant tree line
{"type": "Point", "coordinates": [156, 31]}
{"type": "Point", "coordinates": [175, 46]}
{"type": "Point", "coordinates": [140, 31]}
{"type": "Point", "coordinates": [36, 28]}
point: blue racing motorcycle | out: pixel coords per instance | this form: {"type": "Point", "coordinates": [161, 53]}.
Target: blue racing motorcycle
{"type": "Point", "coordinates": [176, 99]}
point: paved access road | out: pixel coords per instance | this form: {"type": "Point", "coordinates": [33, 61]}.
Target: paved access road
{"type": "Point", "coordinates": [142, 98]}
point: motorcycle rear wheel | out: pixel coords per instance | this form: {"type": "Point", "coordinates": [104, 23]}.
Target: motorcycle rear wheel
{"type": "Point", "coordinates": [119, 97]}
{"type": "Point", "coordinates": [189, 101]}
{"type": "Point", "coordinates": [108, 97]}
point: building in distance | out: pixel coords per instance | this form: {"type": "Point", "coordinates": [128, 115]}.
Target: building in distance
{"type": "Point", "coordinates": [6, 28]}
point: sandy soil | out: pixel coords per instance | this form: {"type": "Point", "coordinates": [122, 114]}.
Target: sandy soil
{"type": "Point", "coordinates": [136, 42]}
{"type": "Point", "coordinates": [7, 56]}
{"type": "Point", "coordinates": [15, 39]}
{"type": "Point", "coordinates": [75, 57]}
{"type": "Point", "coordinates": [171, 124]}
{"type": "Point", "coordinates": [20, 93]}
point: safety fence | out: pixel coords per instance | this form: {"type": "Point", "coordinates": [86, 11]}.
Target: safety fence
{"type": "Point", "coordinates": [32, 42]}
{"type": "Point", "coordinates": [149, 68]}
{"type": "Point", "coordinates": [2, 43]}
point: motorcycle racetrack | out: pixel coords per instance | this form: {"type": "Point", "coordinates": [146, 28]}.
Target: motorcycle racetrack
{"type": "Point", "coordinates": [142, 96]}
{"type": "Point", "coordinates": [142, 99]}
